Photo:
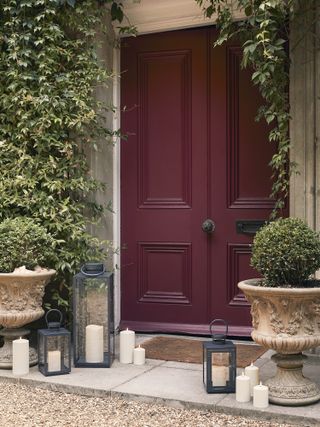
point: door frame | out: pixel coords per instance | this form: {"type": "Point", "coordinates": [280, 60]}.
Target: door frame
{"type": "Point", "coordinates": [138, 15]}
{"type": "Point", "coordinates": [165, 22]}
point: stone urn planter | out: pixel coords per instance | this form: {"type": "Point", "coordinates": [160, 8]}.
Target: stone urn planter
{"type": "Point", "coordinates": [286, 320]}
{"type": "Point", "coordinates": [21, 296]}
{"type": "Point", "coordinates": [25, 246]}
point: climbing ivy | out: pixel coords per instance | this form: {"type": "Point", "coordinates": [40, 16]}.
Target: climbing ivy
{"type": "Point", "coordinates": [264, 34]}
{"type": "Point", "coordinates": [49, 117]}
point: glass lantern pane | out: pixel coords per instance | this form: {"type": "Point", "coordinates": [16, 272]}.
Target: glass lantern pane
{"type": "Point", "coordinates": [220, 363]}
{"type": "Point", "coordinates": [97, 307]}
{"type": "Point", "coordinates": [41, 358]}
{"type": "Point", "coordinates": [65, 356]}
{"type": "Point", "coordinates": [93, 328]}
{"type": "Point", "coordinates": [93, 309]}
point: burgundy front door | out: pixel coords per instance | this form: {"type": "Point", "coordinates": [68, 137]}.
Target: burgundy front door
{"type": "Point", "coordinates": [194, 152]}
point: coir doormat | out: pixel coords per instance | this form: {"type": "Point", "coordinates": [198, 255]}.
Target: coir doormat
{"type": "Point", "coordinates": [190, 351]}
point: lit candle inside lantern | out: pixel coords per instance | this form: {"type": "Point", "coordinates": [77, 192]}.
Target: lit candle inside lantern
{"type": "Point", "coordinates": [127, 344]}
{"type": "Point", "coordinates": [243, 388]}
{"type": "Point", "coordinates": [219, 375]}
{"type": "Point", "coordinates": [20, 357]}
{"type": "Point", "coordinates": [260, 396]}
{"type": "Point", "coordinates": [253, 373]}
{"type": "Point", "coordinates": [94, 344]}
{"type": "Point", "coordinates": [54, 361]}
{"type": "Point", "coordinates": [139, 356]}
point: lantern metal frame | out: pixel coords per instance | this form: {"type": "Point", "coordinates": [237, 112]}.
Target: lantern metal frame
{"type": "Point", "coordinates": [54, 330]}
{"type": "Point", "coordinates": [93, 271]}
{"type": "Point", "coordinates": [219, 344]}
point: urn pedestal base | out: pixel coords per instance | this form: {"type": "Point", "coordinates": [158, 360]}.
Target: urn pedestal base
{"type": "Point", "coordinates": [6, 350]}
{"type": "Point", "coordinates": [289, 387]}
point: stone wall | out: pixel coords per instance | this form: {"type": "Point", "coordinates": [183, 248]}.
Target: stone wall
{"type": "Point", "coordinates": [305, 113]}
{"type": "Point", "coordinates": [101, 158]}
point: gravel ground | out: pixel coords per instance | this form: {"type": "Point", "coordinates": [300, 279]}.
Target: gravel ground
{"type": "Point", "coordinates": [28, 406]}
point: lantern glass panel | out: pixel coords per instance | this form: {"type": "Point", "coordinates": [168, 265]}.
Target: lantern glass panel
{"type": "Point", "coordinates": [94, 322]}
{"type": "Point", "coordinates": [220, 363]}
{"type": "Point", "coordinates": [41, 350]}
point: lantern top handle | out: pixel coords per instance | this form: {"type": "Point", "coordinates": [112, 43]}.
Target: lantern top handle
{"type": "Point", "coordinates": [53, 325]}
{"type": "Point", "coordinates": [93, 269]}
{"type": "Point", "coordinates": [219, 337]}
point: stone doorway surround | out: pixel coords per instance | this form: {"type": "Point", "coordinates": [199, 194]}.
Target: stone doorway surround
{"type": "Point", "coordinates": [157, 16]}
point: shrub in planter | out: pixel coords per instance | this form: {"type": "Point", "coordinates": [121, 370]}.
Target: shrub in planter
{"type": "Point", "coordinates": [25, 243]}
{"type": "Point", "coordinates": [286, 252]}
{"type": "Point", "coordinates": [286, 308]}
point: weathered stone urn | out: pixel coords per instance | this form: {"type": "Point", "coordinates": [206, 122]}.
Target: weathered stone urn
{"type": "Point", "coordinates": [20, 303]}
{"type": "Point", "coordinates": [286, 320]}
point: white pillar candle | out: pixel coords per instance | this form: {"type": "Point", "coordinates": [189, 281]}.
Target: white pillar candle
{"type": "Point", "coordinates": [94, 344]}
{"type": "Point", "coordinates": [253, 373]}
{"type": "Point", "coordinates": [20, 357]}
{"type": "Point", "coordinates": [139, 356]}
{"type": "Point", "coordinates": [54, 361]}
{"type": "Point", "coordinates": [127, 344]}
{"type": "Point", "coordinates": [242, 388]}
{"type": "Point", "coordinates": [219, 375]}
{"type": "Point", "coordinates": [260, 396]}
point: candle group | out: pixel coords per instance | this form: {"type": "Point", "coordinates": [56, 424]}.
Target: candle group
{"type": "Point", "coordinates": [128, 352]}
{"type": "Point", "coordinates": [247, 385]}
{"type": "Point", "coordinates": [20, 357]}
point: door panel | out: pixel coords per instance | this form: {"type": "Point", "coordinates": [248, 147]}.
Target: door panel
{"type": "Point", "coordinates": [164, 264]}
{"type": "Point", "coordinates": [194, 151]}
{"type": "Point", "coordinates": [239, 177]}
{"type": "Point", "coordinates": [164, 82]}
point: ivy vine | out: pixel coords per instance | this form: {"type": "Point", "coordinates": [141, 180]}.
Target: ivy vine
{"type": "Point", "coordinates": [49, 116]}
{"type": "Point", "coordinates": [264, 34]}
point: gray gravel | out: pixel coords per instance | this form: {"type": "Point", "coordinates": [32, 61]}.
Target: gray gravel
{"type": "Point", "coordinates": [28, 406]}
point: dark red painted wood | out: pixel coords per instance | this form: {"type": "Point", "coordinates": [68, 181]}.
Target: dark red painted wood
{"type": "Point", "coordinates": [163, 268]}
{"type": "Point", "coordinates": [194, 152]}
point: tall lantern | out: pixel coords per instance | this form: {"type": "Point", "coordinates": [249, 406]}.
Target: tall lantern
{"type": "Point", "coordinates": [54, 347]}
{"type": "Point", "coordinates": [219, 362]}
{"type": "Point", "coordinates": [93, 317]}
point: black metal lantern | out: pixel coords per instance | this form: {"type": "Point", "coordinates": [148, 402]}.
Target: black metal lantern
{"type": "Point", "coordinates": [54, 347]}
{"type": "Point", "coordinates": [93, 317]}
{"type": "Point", "coordinates": [219, 362]}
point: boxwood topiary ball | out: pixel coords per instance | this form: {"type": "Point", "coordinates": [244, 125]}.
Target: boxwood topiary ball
{"type": "Point", "coordinates": [286, 252]}
{"type": "Point", "coordinates": [23, 242]}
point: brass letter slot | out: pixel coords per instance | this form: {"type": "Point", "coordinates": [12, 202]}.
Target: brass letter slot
{"type": "Point", "coordinates": [249, 226]}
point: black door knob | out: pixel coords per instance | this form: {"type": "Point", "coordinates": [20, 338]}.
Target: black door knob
{"type": "Point", "coordinates": [208, 226]}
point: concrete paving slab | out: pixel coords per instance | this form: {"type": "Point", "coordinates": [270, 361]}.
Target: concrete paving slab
{"type": "Point", "coordinates": [170, 383]}
{"type": "Point", "coordinates": [84, 380]}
